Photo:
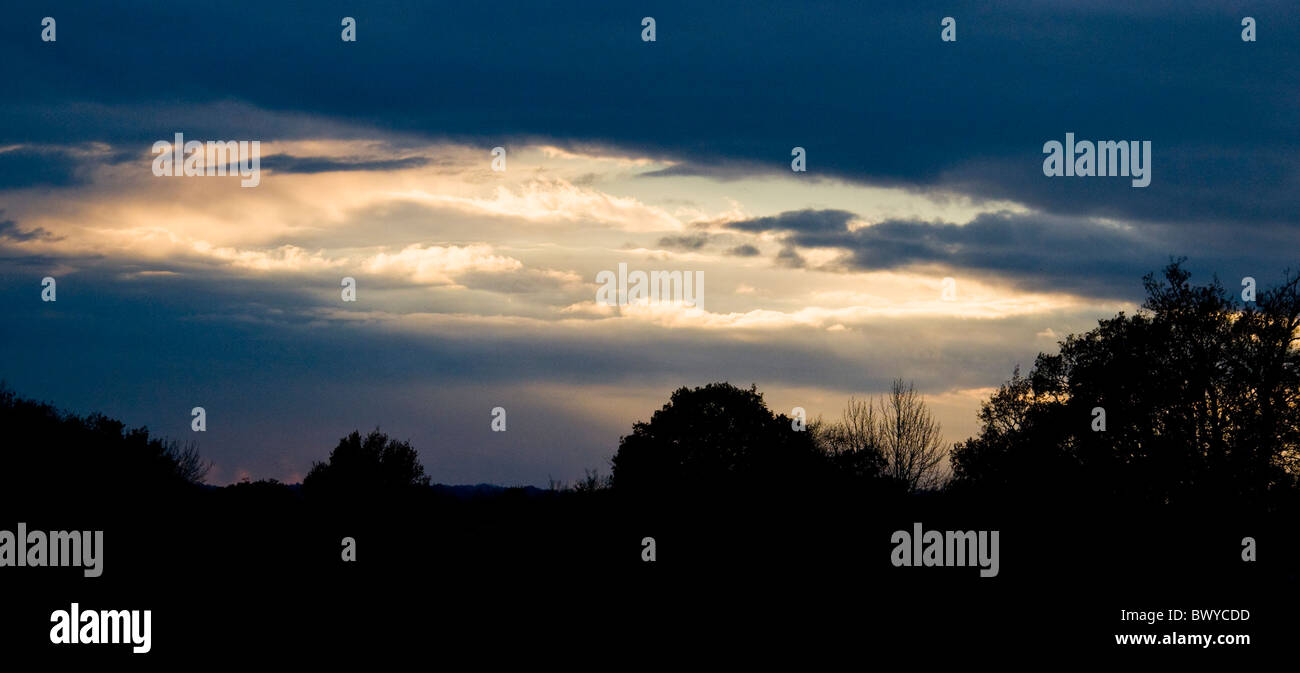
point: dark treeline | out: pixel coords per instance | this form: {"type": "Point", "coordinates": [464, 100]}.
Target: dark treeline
{"type": "Point", "coordinates": [1200, 393]}
{"type": "Point", "coordinates": [757, 517]}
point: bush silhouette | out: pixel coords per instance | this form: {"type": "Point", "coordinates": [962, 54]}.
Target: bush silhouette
{"type": "Point", "coordinates": [56, 456]}
{"type": "Point", "coordinates": [714, 438]}
{"type": "Point", "coordinates": [370, 466]}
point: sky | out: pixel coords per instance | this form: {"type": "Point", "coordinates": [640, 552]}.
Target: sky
{"type": "Point", "coordinates": [477, 288]}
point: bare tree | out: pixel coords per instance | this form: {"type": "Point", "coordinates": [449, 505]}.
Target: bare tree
{"type": "Point", "coordinates": [854, 441]}
{"type": "Point", "coordinates": [910, 438]}
{"type": "Point", "coordinates": [190, 466]}
{"type": "Point", "coordinates": [894, 435]}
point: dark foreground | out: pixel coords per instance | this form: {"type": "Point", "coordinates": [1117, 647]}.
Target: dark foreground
{"type": "Point", "coordinates": [255, 574]}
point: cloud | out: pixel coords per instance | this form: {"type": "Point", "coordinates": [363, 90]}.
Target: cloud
{"type": "Point", "coordinates": [284, 163]}
{"type": "Point", "coordinates": [286, 258]}
{"type": "Point", "coordinates": [723, 171]}
{"type": "Point", "coordinates": [1045, 251]}
{"type": "Point", "coordinates": [32, 167]}
{"type": "Point", "coordinates": [10, 231]}
{"type": "Point", "coordinates": [439, 265]}
{"type": "Point", "coordinates": [807, 220]}
{"type": "Point", "coordinates": [789, 257]}
{"type": "Point", "coordinates": [557, 200]}
{"type": "Point", "coordinates": [689, 242]}
{"type": "Point", "coordinates": [1223, 136]}
{"type": "Point", "coordinates": [543, 286]}
{"type": "Point", "coordinates": [1093, 256]}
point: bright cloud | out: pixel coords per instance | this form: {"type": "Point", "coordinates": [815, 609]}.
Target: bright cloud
{"type": "Point", "coordinates": [438, 265]}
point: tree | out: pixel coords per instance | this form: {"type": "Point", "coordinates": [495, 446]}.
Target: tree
{"type": "Point", "coordinates": [715, 437]}
{"type": "Point", "coordinates": [373, 465]}
{"type": "Point", "coordinates": [895, 436]}
{"type": "Point", "coordinates": [190, 465]}
{"type": "Point", "coordinates": [53, 459]}
{"type": "Point", "coordinates": [1199, 391]}
{"type": "Point", "coordinates": [853, 443]}
{"type": "Point", "coordinates": [910, 438]}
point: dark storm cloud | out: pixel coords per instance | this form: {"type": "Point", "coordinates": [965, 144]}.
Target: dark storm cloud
{"type": "Point", "coordinates": [807, 220]}
{"type": "Point", "coordinates": [31, 167]}
{"type": "Point", "coordinates": [286, 163]}
{"type": "Point", "coordinates": [870, 91]}
{"type": "Point", "coordinates": [1083, 255]}
{"type": "Point", "coordinates": [1047, 252]}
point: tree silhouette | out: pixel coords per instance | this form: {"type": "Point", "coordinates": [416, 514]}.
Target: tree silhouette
{"type": "Point", "coordinates": [715, 437]}
{"type": "Point", "coordinates": [1199, 393]}
{"type": "Point", "coordinates": [910, 439]}
{"type": "Point", "coordinates": [373, 465]}
{"type": "Point", "coordinates": [895, 436]}
{"type": "Point", "coordinates": [852, 443]}
{"type": "Point", "coordinates": [49, 455]}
